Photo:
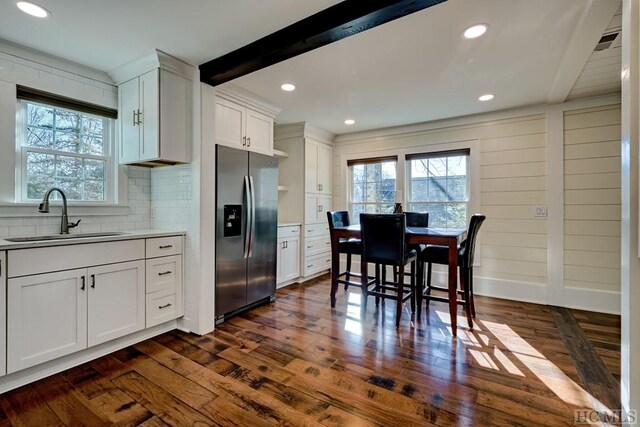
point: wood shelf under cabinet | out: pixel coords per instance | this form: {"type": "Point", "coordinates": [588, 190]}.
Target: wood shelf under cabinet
{"type": "Point", "coordinates": [279, 154]}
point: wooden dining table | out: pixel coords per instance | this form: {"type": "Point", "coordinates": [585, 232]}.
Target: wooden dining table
{"type": "Point", "coordinates": [414, 235]}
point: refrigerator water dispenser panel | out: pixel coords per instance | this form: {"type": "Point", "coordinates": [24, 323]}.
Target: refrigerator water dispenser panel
{"type": "Point", "coordinates": [232, 220]}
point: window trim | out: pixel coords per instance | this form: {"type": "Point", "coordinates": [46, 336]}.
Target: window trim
{"type": "Point", "coordinates": [110, 157]}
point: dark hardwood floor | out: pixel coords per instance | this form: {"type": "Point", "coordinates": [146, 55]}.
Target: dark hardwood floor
{"type": "Point", "coordinates": [297, 362]}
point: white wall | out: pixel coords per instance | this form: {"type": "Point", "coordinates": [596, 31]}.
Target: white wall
{"type": "Point", "coordinates": [518, 168]}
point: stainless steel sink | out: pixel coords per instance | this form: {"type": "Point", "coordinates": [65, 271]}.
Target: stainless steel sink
{"type": "Point", "coordinates": [62, 237]}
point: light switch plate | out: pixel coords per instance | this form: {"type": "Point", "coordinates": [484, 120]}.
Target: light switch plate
{"type": "Point", "coordinates": [540, 211]}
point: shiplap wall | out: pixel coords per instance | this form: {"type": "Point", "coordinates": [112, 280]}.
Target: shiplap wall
{"type": "Point", "coordinates": [513, 179]}
{"type": "Point", "coordinates": [592, 198]}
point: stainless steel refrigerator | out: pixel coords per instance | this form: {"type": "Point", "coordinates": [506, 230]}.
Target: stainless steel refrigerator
{"type": "Point", "coordinates": [246, 229]}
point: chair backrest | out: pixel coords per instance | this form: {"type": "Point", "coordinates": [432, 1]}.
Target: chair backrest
{"type": "Point", "coordinates": [383, 239]}
{"type": "Point", "coordinates": [470, 243]}
{"type": "Point", "coordinates": [338, 219]}
{"type": "Point", "coordinates": [417, 219]}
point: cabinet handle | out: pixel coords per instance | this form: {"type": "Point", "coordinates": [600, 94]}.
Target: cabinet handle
{"type": "Point", "coordinates": [327, 243]}
{"type": "Point", "coordinates": [320, 187]}
{"type": "Point", "coordinates": [83, 280]}
{"type": "Point", "coordinates": [135, 122]}
{"type": "Point", "coordinates": [286, 244]}
{"type": "Point", "coordinates": [139, 116]}
{"type": "Point", "coordinates": [328, 260]}
{"type": "Point", "coordinates": [164, 273]}
{"type": "Point", "coordinates": [293, 231]}
{"type": "Point", "coordinates": [93, 281]}
{"type": "Point", "coordinates": [319, 208]}
{"type": "Point", "coordinates": [244, 141]}
{"type": "Point", "coordinates": [248, 141]}
{"type": "Point", "coordinates": [164, 306]}
{"type": "Point", "coordinates": [309, 247]}
{"type": "Point", "coordinates": [310, 265]}
{"type": "Point", "coordinates": [165, 246]}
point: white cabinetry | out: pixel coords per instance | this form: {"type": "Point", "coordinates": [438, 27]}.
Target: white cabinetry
{"type": "Point", "coordinates": [288, 254]}
{"type": "Point", "coordinates": [155, 119]}
{"type": "Point", "coordinates": [317, 166]}
{"type": "Point", "coordinates": [306, 174]}
{"type": "Point", "coordinates": [164, 280]}
{"type": "Point", "coordinates": [3, 313]}
{"type": "Point", "coordinates": [243, 128]}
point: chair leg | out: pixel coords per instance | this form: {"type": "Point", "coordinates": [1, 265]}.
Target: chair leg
{"type": "Point", "coordinates": [413, 286]}
{"type": "Point", "coordinates": [384, 280]}
{"type": "Point", "coordinates": [419, 287]}
{"type": "Point", "coordinates": [471, 299]}
{"type": "Point", "coordinates": [348, 275]}
{"type": "Point", "coordinates": [378, 283]}
{"type": "Point", "coordinates": [464, 284]}
{"type": "Point", "coordinates": [399, 301]}
{"type": "Point", "coordinates": [428, 288]}
{"type": "Point", "coordinates": [395, 274]}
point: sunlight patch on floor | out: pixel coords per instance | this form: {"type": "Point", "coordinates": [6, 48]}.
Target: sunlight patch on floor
{"type": "Point", "coordinates": [353, 322]}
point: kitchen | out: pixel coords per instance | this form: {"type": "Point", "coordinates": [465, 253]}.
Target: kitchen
{"type": "Point", "coordinates": [181, 197]}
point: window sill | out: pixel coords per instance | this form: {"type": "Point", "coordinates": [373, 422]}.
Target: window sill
{"type": "Point", "coordinates": [19, 210]}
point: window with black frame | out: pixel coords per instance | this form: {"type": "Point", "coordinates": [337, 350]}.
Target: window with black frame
{"type": "Point", "coordinates": [438, 183]}
{"type": "Point", "coordinates": [372, 186]}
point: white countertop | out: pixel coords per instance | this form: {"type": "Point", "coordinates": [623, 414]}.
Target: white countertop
{"type": "Point", "coordinates": [127, 235]}
{"type": "Point", "coordinates": [289, 224]}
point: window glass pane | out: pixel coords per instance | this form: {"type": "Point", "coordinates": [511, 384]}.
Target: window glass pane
{"type": "Point", "coordinates": [93, 190]}
{"type": "Point", "coordinates": [437, 167]}
{"type": "Point", "coordinates": [38, 115]}
{"type": "Point", "coordinates": [92, 145]}
{"type": "Point", "coordinates": [68, 167]}
{"type": "Point", "coordinates": [37, 186]}
{"type": "Point", "coordinates": [42, 138]}
{"type": "Point", "coordinates": [437, 215]}
{"type": "Point", "coordinates": [94, 169]}
{"type": "Point", "coordinates": [92, 125]}
{"type": "Point", "coordinates": [67, 121]}
{"type": "Point", "coordinates": [357, 194]}
{"type": "Point", "coordinates": [437, 189]}
{"type": "Point", "coordinates": [457, 188]}
{"type": "Point", "coordinates": [40, 164]}
{"type": "Point", "coordinates": [373, 188]}
{"type": "Point", "coordinates": [72, 188]}
{"type": "Point", "coordinates": [456, 215]}
{"type": "Point", "coordinates": [67, 141]}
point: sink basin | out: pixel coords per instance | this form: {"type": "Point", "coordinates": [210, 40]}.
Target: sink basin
{"type": "Point", "coordinates": [62, 237]}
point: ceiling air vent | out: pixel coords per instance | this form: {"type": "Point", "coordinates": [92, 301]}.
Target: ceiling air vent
{"type": "Point", "coordinates": [606, 41]}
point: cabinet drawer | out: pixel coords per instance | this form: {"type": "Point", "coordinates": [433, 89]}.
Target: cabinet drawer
{"type": "Point", "coordinates": [316, 230]}
{"type": "Point", "coordinates": [24, 262]}
{"type": "Point", "coordinates": [162, 306]}
{"type": "Point", "coordinates": [288, 231]}
{"type": "Point", "coordinates": [164, 246]}
{"type": "Point", "coordinates": [164, 273]}
{"type": "Point", "coordinates": [317, 264]}
{"type": "Point", "coordinates": [317, 246]}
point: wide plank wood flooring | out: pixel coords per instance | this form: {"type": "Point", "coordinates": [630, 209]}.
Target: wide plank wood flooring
{"type": "Point", "coordinates": [297, 362]}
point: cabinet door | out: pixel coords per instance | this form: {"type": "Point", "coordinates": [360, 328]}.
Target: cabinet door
{"type": "Point", "coordinates": [324, 205]}
{"type": "Point", "coordinates": [310, 166]}
{"type": "Point", "coordinates": [310, 208]}
{"type": "Point", "coordinates": [291, 259]}
{"type": "Point", "coordinates": [259, 132]}
{"type": "Point", "coordinates": [324, 169]}
{"type": "Point", "coordinates": [47, 317]}
{"type": "Point", "coordinates": [149, 115]}
{"type": "Point", "coordinates": [280, 259]}
{"type": "Point", "coordinates": [3, 317]}
{"type": "Point", "coordinates": [116, 301]}
{"type": "Point", "coordinates": [128, 100]}
{"type": "Point", "coordinates": [229, 123]}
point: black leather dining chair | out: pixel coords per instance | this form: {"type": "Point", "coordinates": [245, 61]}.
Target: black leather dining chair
{"type": "Point", "coordinates": [384, 244]}
{"type": "Point", "coordinates": [434, 254]}
{"type": "Point", "coordinates": [345, 246]}
{"type": "Point", "coordinates": [415, 219]}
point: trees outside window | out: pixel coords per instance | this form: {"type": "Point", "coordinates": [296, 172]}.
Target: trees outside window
{"type": "Point", "coordinates": [373, 186]}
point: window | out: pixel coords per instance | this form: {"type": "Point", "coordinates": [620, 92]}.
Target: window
{"type": "Point", "coordinates": [438, 183]}
{"type": "Point", "coordinates": [373, 186]}
{"type": "Point", "coordinates": [66, 148]}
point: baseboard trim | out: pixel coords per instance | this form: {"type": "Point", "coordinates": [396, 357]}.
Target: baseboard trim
{"type": "Point", "coordinates": [592, 300]}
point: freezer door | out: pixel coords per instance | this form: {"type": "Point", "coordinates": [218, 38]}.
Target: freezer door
{"type": "Point", "coordinates": [261, 265]}
{"type": "Point", "coordinates": [231, 265]}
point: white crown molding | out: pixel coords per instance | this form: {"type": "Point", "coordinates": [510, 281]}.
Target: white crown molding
{"type": "Point", "coordinates": [303, 130]}
{"type": "Point", "coordinates": [32, 57]}
{"type": "Point", "coordinates": [511, 113]}
{"type": "Point", "coordinates": [319, 134]}
{"type": "Point", "coordinates": [152, 61]}
{"type": "Point", "coordinates": [248, 99]}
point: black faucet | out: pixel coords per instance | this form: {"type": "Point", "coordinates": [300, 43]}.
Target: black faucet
{"type": "Point", "coordinates": [44, 208]}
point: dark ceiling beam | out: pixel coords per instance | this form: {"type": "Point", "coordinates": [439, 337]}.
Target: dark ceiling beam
{"type": "Point", "coordinates": [327, 26]}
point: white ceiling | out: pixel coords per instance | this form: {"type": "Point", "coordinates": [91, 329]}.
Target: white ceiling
{"type": "Point", "coordinates": [414, 69]}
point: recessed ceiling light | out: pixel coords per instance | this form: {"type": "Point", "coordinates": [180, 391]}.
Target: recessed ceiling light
{"type": "Point", "coordinates": [475, 31]}
{"type": "Point", "coordinates": [288, 87]}
{"type": "Point", "coordinates": [33, 9]}
{"type": "Point", "coordinates": [349, 122]}
{"type": "Point", "coordinates": [487, 97]}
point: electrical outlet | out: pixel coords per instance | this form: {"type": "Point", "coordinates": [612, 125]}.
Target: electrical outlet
{"type": "Point", "coordinates": [540, 211]}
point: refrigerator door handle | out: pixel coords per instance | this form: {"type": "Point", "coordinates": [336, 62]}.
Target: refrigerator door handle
{"type": "Point", "coordinates": [247, 230]}
{"type": "Point", "coordinates": [253, 215]}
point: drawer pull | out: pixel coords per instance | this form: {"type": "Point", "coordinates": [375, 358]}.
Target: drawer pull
{"type": "Point", "coordinates": [327, 243]}
{"type": "Point", "coordinates": [293, 231]}
{"type": "Point", "coordinates": [165, 246]}
{"type": "Point", "coordinates": [310, 265]}
{"type": "Point", "coordinates": [310, 246]}
{"type": "Point", "coordinates": [164, 306]}
{"type": "Point", "coordinates": [93, 281]}
{"type": "Point", "coordinates": [164, 273]}
{"type": "Point", "coordinates": [328, 260]}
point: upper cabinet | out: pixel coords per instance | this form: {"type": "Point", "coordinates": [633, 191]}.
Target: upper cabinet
{"type": "Point", "coordinates": [317, 162]}
{"type": "Point", "coordinates": [154, 110]}
{"type": "Point", "coordinates": [243, 123]}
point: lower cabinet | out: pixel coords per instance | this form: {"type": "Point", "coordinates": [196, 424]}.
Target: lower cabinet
{"type": "Point", "coordinates": [3, 313]}
{"type": "Point", "coordinates": [288, 259]}
{"type": "Point", "coordinates": [55, 314]}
